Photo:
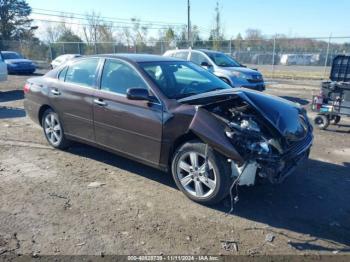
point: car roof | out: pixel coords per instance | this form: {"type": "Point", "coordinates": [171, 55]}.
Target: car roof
{"type": "Point", "coordinates": [9, 52]}
{"type": "Point", "coordinates": [68, 55]}
{"type": "Point", "coordinates": [200, 50]}
{"type": "Point", "coordinates": [210, 51]}
{"type": "Point", "coordinates": [141, 57]}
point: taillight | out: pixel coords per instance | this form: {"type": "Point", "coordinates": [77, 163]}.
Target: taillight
{"type": "Point", "coordinates": [26, 88]}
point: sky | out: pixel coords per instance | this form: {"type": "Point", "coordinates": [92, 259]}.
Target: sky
{"type": "Point", "coordinates": [295, 18]}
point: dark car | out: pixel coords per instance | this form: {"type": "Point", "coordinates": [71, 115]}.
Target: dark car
{"type": "Point", "coordinates": [16, 63]}
{"type": "Point", "coordinates": [172, 115]}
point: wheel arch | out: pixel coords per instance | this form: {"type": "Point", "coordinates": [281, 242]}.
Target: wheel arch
{"type": "Point", "coordinates": [179, 141]}
{"type": "Point", "coordinates": [42, 110]}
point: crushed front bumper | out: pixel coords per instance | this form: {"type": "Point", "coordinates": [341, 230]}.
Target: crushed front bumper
{"type": "Point", "coordinates": [278, 167]}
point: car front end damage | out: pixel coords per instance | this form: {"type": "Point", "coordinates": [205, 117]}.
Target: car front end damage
{"type": "Point", "coordinates": [263, 137]}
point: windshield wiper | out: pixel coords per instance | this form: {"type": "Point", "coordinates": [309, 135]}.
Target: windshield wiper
{"type": "Point", "coordinates": [193, 93]}
{"type": "Point", "coordinates": [186, 95]}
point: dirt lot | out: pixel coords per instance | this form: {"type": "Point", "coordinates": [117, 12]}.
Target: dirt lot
{"type": "Point", "coordinates": [46, 206]}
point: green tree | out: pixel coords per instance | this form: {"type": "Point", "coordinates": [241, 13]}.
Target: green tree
{"type": "Point", "coordinates": [14, 21]}
{"type": "Point", "coordinates": [169, 35]}
{"type": "Point", "coordinates": [68, 36]}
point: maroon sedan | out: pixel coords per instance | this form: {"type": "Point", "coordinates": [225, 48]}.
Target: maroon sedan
{"type": "Point", "coordinates": [172, 115]}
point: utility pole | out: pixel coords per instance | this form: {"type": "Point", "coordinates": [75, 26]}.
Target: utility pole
{"type": "Point", "coordinates": [189, 23]}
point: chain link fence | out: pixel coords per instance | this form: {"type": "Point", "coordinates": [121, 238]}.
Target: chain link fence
{"type": "Point", "coordinates": [309, 58]}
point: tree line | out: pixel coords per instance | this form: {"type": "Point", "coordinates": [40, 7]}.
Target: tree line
{"type": "Point", "coordinates": [15, 25]}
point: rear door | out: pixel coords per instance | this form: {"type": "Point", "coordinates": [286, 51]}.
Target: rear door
{"type": "Point", "coordinates": [131, 127]}
{"type": "Point", "coordinates": [71, 96]}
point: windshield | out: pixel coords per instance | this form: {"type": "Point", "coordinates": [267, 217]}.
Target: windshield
{"type": "Point", "coordinates": [223, 60]}
{"type": "Point", "coordinates": [11, 55]}
{"type": "Point", "coordinates": [178, 79]}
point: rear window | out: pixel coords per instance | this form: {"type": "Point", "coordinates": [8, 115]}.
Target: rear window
{"type": "Point", "coordinates": [181, 54]}
{"type": "Point", "coordinates": [83, 72]}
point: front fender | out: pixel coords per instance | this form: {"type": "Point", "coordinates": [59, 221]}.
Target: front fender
{"type": "Point", "coordinates": [211, 130]}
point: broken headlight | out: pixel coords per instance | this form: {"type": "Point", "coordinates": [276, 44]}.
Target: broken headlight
{"type": "Point", "coordinates": [247, 136]}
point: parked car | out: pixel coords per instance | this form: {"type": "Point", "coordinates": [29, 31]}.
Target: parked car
{"type": "Point", "coordinates": [299, 59]}
{"type": "Point", "coordinates": [223, 66]}
{"type": "Point", "coordinates": [62, 59]}
{"type": "Point", "coordinates": [173, 115]}
{"type": "Point", "coordinates": [3, 69]}
{"type": "Point", "coordinates": [16, 63]}
{"type": "Point", "coordinates": [265, 59]}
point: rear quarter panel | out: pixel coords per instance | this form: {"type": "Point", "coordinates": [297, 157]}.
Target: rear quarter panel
{"type": "Point", "coordinates": [37, 97]}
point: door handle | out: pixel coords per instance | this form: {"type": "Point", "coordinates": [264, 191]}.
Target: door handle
{"type": "Point", "coordinates": [55, 92]}
{"type": "Point", "coordinates": [100, 102]}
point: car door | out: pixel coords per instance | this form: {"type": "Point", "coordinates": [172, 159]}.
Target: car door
{"type": "Point", "coordinates": [71, 96]}
{"type": "Point", "coordinates": [127, 126]}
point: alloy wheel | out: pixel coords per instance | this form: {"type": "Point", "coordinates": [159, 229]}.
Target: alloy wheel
{"type": "Point", "coordinates": [53, 129]}
{"type": "Point", "coordinates": [196, 177]}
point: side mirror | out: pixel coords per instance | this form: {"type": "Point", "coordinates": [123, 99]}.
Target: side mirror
{"type": "Point", "coordinates": [137, 94]}
{"type": "Point", "coordinates": [206, 65]}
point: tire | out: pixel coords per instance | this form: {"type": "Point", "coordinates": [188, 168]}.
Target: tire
{"type": "Point", "coordinates": [193, 182]}
{"type": "Point", "coordinates": [53, 130]}
{"type": "Point", "coordinates": [322, 122]}
{"type": "Point", "coordinates": [335, 120]}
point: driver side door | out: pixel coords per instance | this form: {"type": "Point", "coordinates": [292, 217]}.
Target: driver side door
{"type": "Point", "coordinates": [130, 127]}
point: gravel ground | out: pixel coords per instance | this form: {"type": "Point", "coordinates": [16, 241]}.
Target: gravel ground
{"type": "Point", "coordinates": [46, 207]}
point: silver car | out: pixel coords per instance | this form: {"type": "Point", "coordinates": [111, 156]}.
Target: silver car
{"type": "Point", "coordinates": [222, 66]}
{"type": "Point", "coordinates": [62, 59]}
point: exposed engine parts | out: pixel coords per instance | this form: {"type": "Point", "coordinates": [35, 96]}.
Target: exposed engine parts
{"type": "Point", "coordinates": [263, 150]}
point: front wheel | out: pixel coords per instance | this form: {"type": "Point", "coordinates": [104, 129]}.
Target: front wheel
{"type": "Point", "coordinates": [322, 122]}
{"type": "Point", "coordinates": [203, 183]}
{"type": "Point", "coordinates": [53, 130]}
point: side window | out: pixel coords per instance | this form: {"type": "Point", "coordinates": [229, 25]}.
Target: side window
{"type": "Point", "coordinates": [83, 72]}
{"type": "Point", "coordinates": [181, 55]}
{"type": "Point", "coordinates": [198, 58]}
{"type": "Point", "coordinates": [118, 77]}
{"type": "Point", "coordinates": [62, 74]}
{"type": "Point", "coordinates": [1, 57]}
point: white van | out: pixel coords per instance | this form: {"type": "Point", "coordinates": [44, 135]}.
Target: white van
{"type": "Point", "coordinates": [296, 59]}
{"type": "Point", "coordinates": [3, 69]}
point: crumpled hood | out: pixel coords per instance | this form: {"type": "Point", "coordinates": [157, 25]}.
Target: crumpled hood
{"type": "Point", "coordinates": [16, 61]}
{"type": "Point", "coordinates": [287, 117]}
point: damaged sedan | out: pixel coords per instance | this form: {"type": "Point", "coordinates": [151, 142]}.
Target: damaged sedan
{"type": "Point", "coordinates": [172, 115]}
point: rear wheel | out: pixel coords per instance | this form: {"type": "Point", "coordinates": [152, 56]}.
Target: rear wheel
{"type": "Point", "coordinates": [53, 130]}
{"type": "Point", "coordinates": [322, 122]}
{"type": "Point", "coordinates": [335, 120]}
{"type": "Point", "coordinates": [203, 184]}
